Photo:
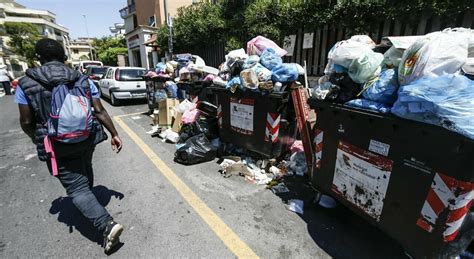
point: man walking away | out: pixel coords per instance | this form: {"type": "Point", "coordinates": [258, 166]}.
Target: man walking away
{"type": "Point", "coordinates": [5, 79]}
{"type": "Point", "coordinates": [57, 107]}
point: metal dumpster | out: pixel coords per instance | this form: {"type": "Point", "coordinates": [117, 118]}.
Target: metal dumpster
{"type": "Point", "coordinates": [412, 180]}
{"type": "Point", "coordinates": [262, 123]}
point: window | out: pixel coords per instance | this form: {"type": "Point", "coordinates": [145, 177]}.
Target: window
{"type": "Point", "coordinates": [75, 51]}
{"type": "Point", "coordinates": [131, 74]}
{"type": "Point", "coordinates": [109, 73]}
{"type": "Point", "coordinates": [151, 21]}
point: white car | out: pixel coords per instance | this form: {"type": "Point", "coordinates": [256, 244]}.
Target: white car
{"type": "Point", "coordinates": [120, 83]}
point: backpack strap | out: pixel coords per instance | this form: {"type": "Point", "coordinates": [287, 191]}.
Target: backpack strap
{"type": "Point", "coordinates": [49, 149]}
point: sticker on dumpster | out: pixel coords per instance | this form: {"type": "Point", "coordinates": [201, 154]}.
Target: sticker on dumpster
{"type": "Point", "coordinates": [379, 147]}
{"type": "Point", "coordinates": [450, 197]}
{"type": "Point", "coordinates": [241, 115]}
{"type": "Point", "coordinates": [361, 177]}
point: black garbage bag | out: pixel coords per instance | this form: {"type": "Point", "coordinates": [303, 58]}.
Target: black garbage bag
{"type": "Point", "coordinates": [207, 126]}
{"type": "Point", "coordinates": [197, 149]}
{"type": "Point", "coordinates": [343, 89]}
{"type": "Point", "coordinates": [235, 67]}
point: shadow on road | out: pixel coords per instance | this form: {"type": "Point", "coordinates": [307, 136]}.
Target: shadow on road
{"type": "Point", "coordinates": [72, 217]}
{"type": "Point", "coordinates": [338, 231]}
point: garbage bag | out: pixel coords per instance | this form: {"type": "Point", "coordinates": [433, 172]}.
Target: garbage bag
{"type": "Point", "coordinates": [270, 59]}
{"type": "Point", "coordinates": [392, 57]}
{"type": "Point", "coordinates": [363, 39]}
{"type": "Point", "coordinates": [286, 72]}
{"type": "Point", "coordinates": [446, 101]}
{"type": "Point", "coordinates": [370, 105]}
{"type": "Point", "coordinates": [343, 89]}
{"type": "Point", "coordinates": [160, 67]}
{"type": "Point", "coordinates": [236, 54]}
{"type": "Point", "coordinates": [190, 116]}
{"type": "Point", "coordinates": [257, 46]}
{"type": "Point", "coordinates": [384, 88]}
{"type": "Point", "coordinates": [234, 83]}
{"type": "Point", "coordinates": [346, 51]}
{"type": "Point", "coordinates": [160, 95]}
{"type": "Point", "coordinates": [208, 127]}
{"type": "Point", "coordinates": [263, 74]}
{"type": "Point", "coordinates": [171, 89]}
{"type": "Point", "coordinates": [365, 67]}
{"type": "Point", "coordinates": [197, 149]}
{"type": "Point", "coordinates": [235, 66]}
{"type": "Point", "coordinates": [436, 54]}
{"type": "Point", "coordinates": [251, 61]}
{"type": "Point", "coordinates": [249, 78]}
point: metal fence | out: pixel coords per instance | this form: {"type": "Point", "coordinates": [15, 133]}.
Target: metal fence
{"type": "Point", "coordinates": [325, 37]}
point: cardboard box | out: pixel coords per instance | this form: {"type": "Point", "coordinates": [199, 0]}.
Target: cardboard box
{"type": "Point", "coordinates": [177, 123]}
{"type": "Point", "coordinates": [166, 112]}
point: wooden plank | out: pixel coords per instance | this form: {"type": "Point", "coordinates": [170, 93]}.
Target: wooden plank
{"type": "Point", "coordinates": [324, 50]}
{"type": "Point", "coordinates": [316, 52]}
{"type": "Point", "coordinates": [386, 28]}
{"type": "Point", "coordinates": [467, 19]}
{"type": "Point", "coordinates": [421, 28]}
{"type": "Point", "coordinates": [397, 29]}
{"type": "Point", "coordinates": [435, 24]}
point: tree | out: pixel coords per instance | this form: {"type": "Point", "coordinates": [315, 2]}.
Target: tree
{"type": "Point", "coordinates": [23, 37]}
{"type": "Point", "coordinates": [107, 49]}
{"type": "Point", "coordinates": [109, 57]}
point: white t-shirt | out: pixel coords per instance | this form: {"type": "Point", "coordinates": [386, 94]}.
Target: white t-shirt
{"type": "Point", "coordinates": [4, 75]}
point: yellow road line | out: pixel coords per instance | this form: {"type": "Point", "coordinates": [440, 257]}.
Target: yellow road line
{"type": "Point", "coordinates": [230, 239]}
{"type": "Point", "coordinates": [129, 114]}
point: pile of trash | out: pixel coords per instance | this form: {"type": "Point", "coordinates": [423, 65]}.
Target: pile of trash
{"type": "Point", "coordinates": [424, 78]}
{"type": "Point", "coordinates": [261, 68]}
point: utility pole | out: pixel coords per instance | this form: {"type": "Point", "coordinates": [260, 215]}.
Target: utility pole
{"type": "Point", "coordinates": [87, 32]}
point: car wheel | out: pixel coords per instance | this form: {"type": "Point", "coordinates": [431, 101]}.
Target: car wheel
{"type": "Point", "coordinates": [113, 100]}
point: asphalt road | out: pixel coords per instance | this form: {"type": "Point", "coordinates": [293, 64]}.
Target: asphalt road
{"type": "Point", "coordinates": [38, 220]}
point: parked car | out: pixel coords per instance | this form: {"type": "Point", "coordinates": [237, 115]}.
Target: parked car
{"type": "Point", "coordinates": [120, 83]}
{"type": "Point", "coordinates": [95, 73]}
{"type": "Point", "coordinates": [84, 64]}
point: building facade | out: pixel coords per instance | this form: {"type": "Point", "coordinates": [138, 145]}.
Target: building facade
{"type": "Point", "coordinates": [81, 49]}
{"type": "Point", "coordinates": [118, 30]}
{"type": "Point", "coordinates": [45, 21]}
{"type": "Point", "coordinates": [141, 18]}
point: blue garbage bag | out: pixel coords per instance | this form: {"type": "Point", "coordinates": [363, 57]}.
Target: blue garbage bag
{"type": "Point", "coordinates": [286, 72]}
{"type": "Point", "coordinates": [270, 59]}
{"type": "Point", "coordinates": [234, 81]}
{"type": "Point", "coordinates": [370, 105]}
{"type": "Point", "coordinates": [251, 61]}
{"type": "Point", "coordinates": [161, 66]}
{"type": "Point", "coordinates": [445, 101]}
{"type": "Point", "coordinates": [384, 88]}
{"type": "Point", "coordinates": [160, 95]}
{"type": "Point", "coordinates": [172, 89]}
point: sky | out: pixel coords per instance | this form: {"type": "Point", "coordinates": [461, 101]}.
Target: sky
{"type": "Point", "coordinates": [100, 14]}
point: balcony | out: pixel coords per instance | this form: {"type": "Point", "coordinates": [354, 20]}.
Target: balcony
{"type": "Point", "coordinates": [127, 11]}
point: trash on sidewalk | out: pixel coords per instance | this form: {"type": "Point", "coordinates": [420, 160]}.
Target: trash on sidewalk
{"type": "Point", "coordinates": [327, 202]}
{"type": "Point", "coordinates": [280, 188]}
{"type": "Point", "coordinates": [169, 135]}
{"type": "Point", "coordinates": [297, 164]}
{"type": "Point", "coordinates": [296, 205]}
{"type": "Point", "coordinates": [196, 149]}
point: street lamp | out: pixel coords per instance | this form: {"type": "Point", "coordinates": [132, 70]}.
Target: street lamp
{"type": "Point", "coordinates": [87, 32]}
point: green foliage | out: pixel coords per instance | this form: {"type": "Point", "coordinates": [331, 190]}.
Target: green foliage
{"type": "Point", "coordinates": [237, 21]}
{"type": "Point", "coordinates": [84, 57]}
{"type": "Point", "coordinates": [23, 37]}
{"type": "Point", "coordinates": [107, 49]}
{"type": "Point", "coordinates": [109, 57]}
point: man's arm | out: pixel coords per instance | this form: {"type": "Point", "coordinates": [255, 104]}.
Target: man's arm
{"type": "Point", "coordinates": [27, 121]}
{"type": "Point", "coordinates": [104, 118]}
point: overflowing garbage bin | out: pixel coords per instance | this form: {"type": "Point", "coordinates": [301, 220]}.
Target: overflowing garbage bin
{"type": "Point", "coordinates": [263, 123]}
{"type": "Point", "coordinates": [413, 180]}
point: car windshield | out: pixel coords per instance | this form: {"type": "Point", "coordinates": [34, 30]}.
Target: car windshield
{"type": "Point", "coordinates": [131, 74]}
{"type": "Point", "coordinates": [98, 70]}
{"type": "Point", "coordinates": [86, 64]}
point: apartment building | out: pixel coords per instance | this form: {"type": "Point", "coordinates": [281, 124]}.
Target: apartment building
{"type": "Point", "coordinates": [81, 49]}
{"type": "Point", "coordinates": [10, 11]}
{"type": "Point", "coordinates": [141, 18]}
{"type": "Point", "coordinates": [118, 30]}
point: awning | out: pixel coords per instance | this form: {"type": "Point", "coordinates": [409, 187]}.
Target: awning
{"type": "Point", "coordinates": [152, 41]}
